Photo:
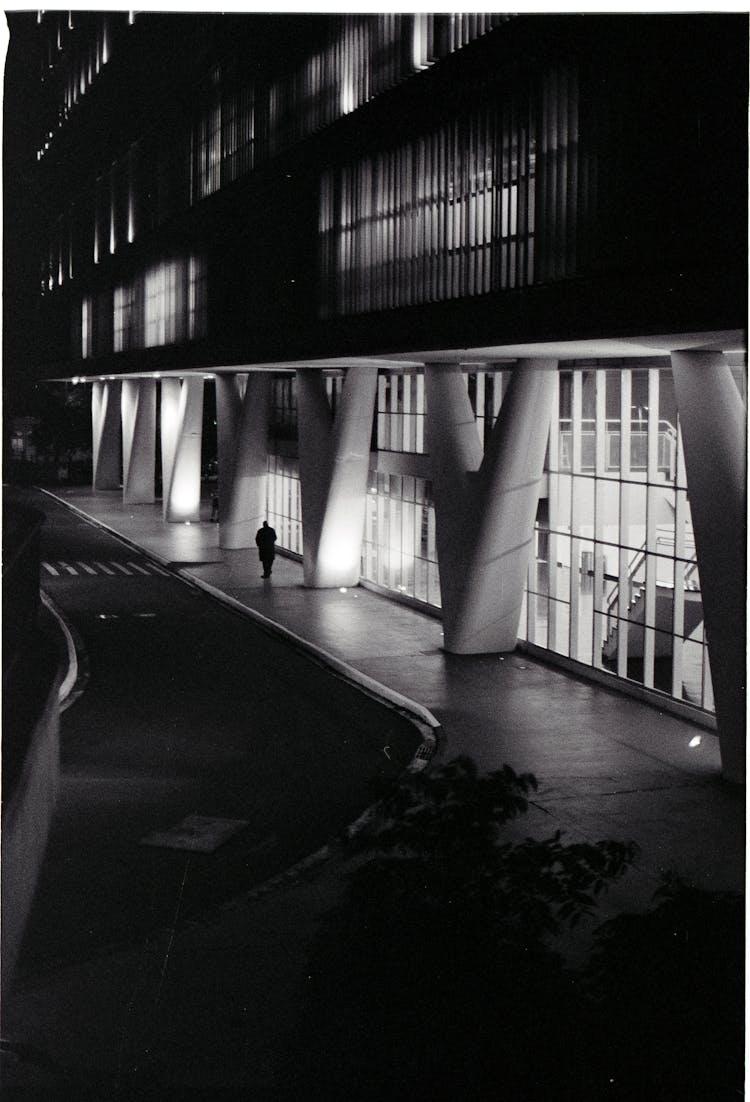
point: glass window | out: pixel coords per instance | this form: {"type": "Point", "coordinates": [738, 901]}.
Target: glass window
{"type": "Point", "coordinates": [615, 582]}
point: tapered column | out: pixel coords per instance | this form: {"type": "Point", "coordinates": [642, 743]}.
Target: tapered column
{"type": "Point", "coordinates": [242, 496]}
{"type": "Point", "coordinates": [334, 462]}
{"type": "Point", "coordinates": [712, 420]}
{"type": "Point", "coordinates": [138, 440]}
{"type": "Point", "coordinates": [169, 423]}
{"type": "Point", "coordinates": [228, 407]}
{"type": "Point", "coordinates": [485, 512]}
{"type": "Point", "coordinates": [182, 432]}
{"type": "Point", "coordinates": [106, 427]}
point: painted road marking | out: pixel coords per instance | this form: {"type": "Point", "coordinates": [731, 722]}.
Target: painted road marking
{"type": "Point", "coordinates": [70, 569]}
{"type": "Point", "coordinates": [119, 566]}
{"type": "Point", "coordinates": [104, 568]}
{"type": "Point", "coordinates": [84, 566]}
{"type": "Point", "coordinates": [158, 570]}
{"type": "Point", "coordinates": [51, 569]}
{"type": "Point", "coordinates": [138, 568]}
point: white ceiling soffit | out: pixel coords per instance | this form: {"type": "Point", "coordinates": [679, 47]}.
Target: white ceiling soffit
{"type": "Point", "coordinates": [730, 341]}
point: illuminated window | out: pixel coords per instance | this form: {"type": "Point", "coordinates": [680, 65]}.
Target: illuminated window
{"type": "Point", "coordinates": [399, 550]}
{"type": "Point", "coordinates": [206, 140]}
{"type": "Point", "coordinates": [124, 301]}
{"type": "Point", "coordinates": [196, 298]}
{"type": "Point", "coordinates": [401, 413]}
{"type": "Point", "coordinates": [445, 216]}
{"type": "Point", "coordinates": [284, 502]}
{"type": "Point", "coordinates": [615, 581]}
{"type": "Point", "coordinates": [86, 328]}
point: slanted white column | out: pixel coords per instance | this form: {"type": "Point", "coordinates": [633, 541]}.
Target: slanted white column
{"type": "Point", "coordinates": [138, 440]}
{"type": "Point", "coordinates": [242, 494]}
{"type": "Point", "coordinates": [169, 422]}
{"type": "Point", "coordinates": [107, 434]}
{"type": "Point", "coordinates": [485, 509]}
{"type": "Point", "coordinates": [182, 432]}
{"type": "Point", "coordinates": [712, 420]}
{"type": "Point", "coordinates": [228, 406]}
{"type": "Point", "coordinates": [334, 460]}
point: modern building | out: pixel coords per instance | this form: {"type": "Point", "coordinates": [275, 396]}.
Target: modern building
{"type": "Point", "coordinates": [469, 293]}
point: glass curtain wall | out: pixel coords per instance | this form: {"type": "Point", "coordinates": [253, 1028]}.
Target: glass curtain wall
{"type": "Point", "coordinates": [614, 583]}
{"type": "Point", "coordinates": [284, 502]}
{"type": "Point", "coordinates": [399, 550]}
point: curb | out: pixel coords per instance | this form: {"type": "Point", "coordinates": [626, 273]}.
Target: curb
{"type": "Point", "coordinates": [67, 685]}
{"type": "Point", "coordinates": [422, 718]}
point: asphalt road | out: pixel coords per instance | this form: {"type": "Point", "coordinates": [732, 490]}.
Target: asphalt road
{"type": "Point", "coordinates": [189, 709]}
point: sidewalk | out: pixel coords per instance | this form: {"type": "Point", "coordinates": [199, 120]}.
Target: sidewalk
{"type": "Point", "coordinates": [608, 765]}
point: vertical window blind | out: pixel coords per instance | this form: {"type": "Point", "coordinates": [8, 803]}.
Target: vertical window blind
{"type": "Point", "coordinates": [483, 203]}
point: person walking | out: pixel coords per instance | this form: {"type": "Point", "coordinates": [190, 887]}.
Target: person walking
{"type": "Point", "coordinates": [265, 538]}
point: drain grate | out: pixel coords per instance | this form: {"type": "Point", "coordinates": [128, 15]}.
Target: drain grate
{"type": "Point", "coordinates": [197, 833]}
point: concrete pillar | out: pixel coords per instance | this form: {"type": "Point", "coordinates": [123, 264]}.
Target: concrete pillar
{"type": "Point", "coordinates": [485, 511]}
{"type": "Point", "coordinates": [169, 422]}
{"type": "Point", "coordinates": [182, 434]}
{"type": "Point", "coordinates": [106, 427]}
{"type": "Point", "coordinates": [242, 496]}
{"type": "Point", "coordinates": [712, 420]}
{"type": "Point", "coordinates": [228, 406]}
{"type": "Point", "coordinates": [334, 461]}
{"type": "Point", "coordinates": [138, 440]}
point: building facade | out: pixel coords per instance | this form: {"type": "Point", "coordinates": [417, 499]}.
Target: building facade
{"type": "Point", "coordinates": [468, 291]}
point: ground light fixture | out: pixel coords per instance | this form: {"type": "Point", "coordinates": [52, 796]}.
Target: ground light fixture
{"type": "Point", "coordinates": [696, 740]}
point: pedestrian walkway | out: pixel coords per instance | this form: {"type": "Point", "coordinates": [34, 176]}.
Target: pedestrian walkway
{"type": "Point", "coordinates": [609, 766]}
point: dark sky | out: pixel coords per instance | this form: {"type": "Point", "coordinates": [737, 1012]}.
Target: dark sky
{"type": "Point", "coordinates": [21, 122]}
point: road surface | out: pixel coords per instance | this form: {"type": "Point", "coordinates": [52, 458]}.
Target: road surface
{"type": "Point", "coordinates": [189, 709]}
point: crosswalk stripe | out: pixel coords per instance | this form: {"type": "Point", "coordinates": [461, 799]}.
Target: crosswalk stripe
{"type": "Point", "coordinates": [104, 568]}
{"type": "Point", "coordinates": [138, 568]}
{"type": "Point", "coordinates": [119, 566]}
{"type": "Point", "coordinates": [84, 566]}
{"type": "Point", "coordinates": [158, 570]}
{"type": "Point", "coordinates": [70, 569]}
{"type": "Point", "coordinates": [51, 569]}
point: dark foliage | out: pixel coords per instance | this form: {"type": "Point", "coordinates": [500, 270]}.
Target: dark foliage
{"type": "Point", "coordinates": [436, 977]}
{"type": "Point", "coordinates": [666, 996]}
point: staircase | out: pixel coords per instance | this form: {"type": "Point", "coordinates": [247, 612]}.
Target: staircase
{"type": "Point", "coordinates": [664, 604]}
{"type": "Point", "coordinates": [693, 616]}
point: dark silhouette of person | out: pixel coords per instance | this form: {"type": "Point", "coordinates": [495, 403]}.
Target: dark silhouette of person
{"type": "Point", "coordinates": [265, 538]}
{"type": "Point", "coordinates": [214, 506]}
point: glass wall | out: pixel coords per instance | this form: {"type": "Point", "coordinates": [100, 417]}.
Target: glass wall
{"type": "Point", "coordinates": [473, 206]}
{"type": "Point", "coordinates": [166, 304]}
{"type": "Point", "coordinates": [614, 582]}
{"type": "Point", "coordinates": [401, 413]}
{"type": "Point", "coordinates": [284, 502]}
{"type": "Point", "coordinates": [399, 550]}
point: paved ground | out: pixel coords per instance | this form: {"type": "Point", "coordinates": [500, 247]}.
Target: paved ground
{"type": "Point", "coordinates": [197, 1009]}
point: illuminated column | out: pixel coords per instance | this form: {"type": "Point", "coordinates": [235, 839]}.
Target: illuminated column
{"type": "Point", "coordinates": [485, 511]}
{"type": "Point", "coordinates": [138, 440]}
{"type": "Point", "coordinates": [170, 407]}
{"type": "Point", "coordinates": [334, 461]}
{"type": "Point", "coordinates": [107, 434]}
{"type": "Point", "coordinates": [712, 419]}
{"type": "Point", "coordinates": [228, 406]}
{"type": "Point", "coordinates": [182, 432]}
{"type": "Point", "coordinates": [242, 496]}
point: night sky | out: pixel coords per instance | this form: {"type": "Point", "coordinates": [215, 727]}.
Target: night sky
{"type": "Point", "coordinates": [21, 221]}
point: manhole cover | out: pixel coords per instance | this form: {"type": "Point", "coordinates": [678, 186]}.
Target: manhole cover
{"type": "Point", "coordinates": [198, 833]}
